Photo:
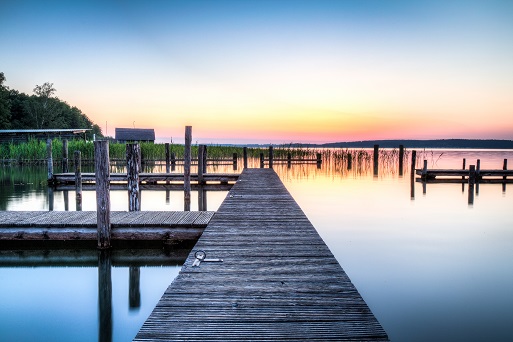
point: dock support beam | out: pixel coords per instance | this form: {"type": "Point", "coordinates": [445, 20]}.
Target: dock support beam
{"type": "Point", "coordinates": [78, 179]}
{"type": "Point", "coordinates": [102, 167]}
{"type": "Point", "coordinates": [271, 156]}
{"type": "Point", "coordinates": [349, 161]}
{"type": "Point", "coordinates": [65, 168]}
{"type": "Point", "coordinates": [201, 167]}
{"type": "Point", "coordinates": [49, 160]}
{"type": "Point", "coordinates": [133, 160]}
{"type": "Point", "coordinates": [471, 183]}
{"type": "Point", "coordinates": [245, 156]}
{"type": "Point", "coordinates": [376, 159]}
{"type": "Point", "coordinates": [187, 168]}
{"type": "Point", "coordinates": [168, 168]}
{"type": "Point", "coordinates": [401, 159]}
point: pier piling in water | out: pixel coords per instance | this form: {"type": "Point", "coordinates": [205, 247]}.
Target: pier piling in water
{"type": "Point", "coordinates": [245, 156]}
{"type": "Point", "coordinates": [401, 159]}
{"type": "Point", "coordinates": [187, 168]}
{"type": "Point", "coordinates": [49, 159]}
{"type": "Point", "coordinates": [65, 167]}
{"type": "Point", "coordinates": [133, 158]}
{"type": "Point", "coordinates": [271, 156]}
{"type": "Point", "coordinates": [78, 179]}
{"type": "Point", "coordinates": [376, 159]}
{"type": "Point", "coordinates": [102, 167]}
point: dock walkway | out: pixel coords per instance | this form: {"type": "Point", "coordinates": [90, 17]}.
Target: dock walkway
{"type": "Point", "coordinates": [277, 281]}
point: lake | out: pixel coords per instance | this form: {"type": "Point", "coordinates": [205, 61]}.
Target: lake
{"type": "Point", "coordinates": [431, 266]}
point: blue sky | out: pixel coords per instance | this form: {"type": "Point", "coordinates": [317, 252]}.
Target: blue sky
{"type": "Point", "coordinates": [271, 71]}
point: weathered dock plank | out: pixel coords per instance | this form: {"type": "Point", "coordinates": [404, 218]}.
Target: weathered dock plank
{"type": "Point", "coordinates": [81, 225]}
{"type": "Point", "coordinates": [278, 279]}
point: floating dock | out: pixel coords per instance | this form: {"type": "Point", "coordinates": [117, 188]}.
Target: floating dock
{"type": "Point", "coordinates": [277, 279]}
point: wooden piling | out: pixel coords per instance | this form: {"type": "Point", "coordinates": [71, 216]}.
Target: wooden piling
{"type": "Point", "coordinates": [245, 156]}
{"type": "Point", "coordinates": [463, 177]}
{"type": "Point", "coordinates": [133, 153]}
{"type": "Point", "coordinates": [168, 166]}
{"type": "Point", "coordinates": [376, 159]}
{"type": "Point", "coordinates": [401, 159]}
{"type": "Point", "coordinates": [413, 163]}
{"type": "Point", "coordinates": [271, 156]}
{"type": "Point", "coordinates": [349, 161]}
{"type": "Point", "coordinates": [235, 157]}
{"type": "Point", "coordinates": [424, 170]}
{"type": "Point", "coordinates": [187, 168]}
{"type": "Point", "coordinates": [471, 183]}
{"type": "Point", "coordinates": [65, 167]}
{"type": "Point", "coordinates": [319, 160]}
{"type": "Point", "coordinates": [102, 168]}
{"type": "Point", "coordinates": [289, 160]}
{"type": "Point", "coordinates": [261, 160]}
{"type": "Point", "coordinates": [204, 157]}
{"type": "Point", "coordinates": [78, 179]}
{"type": "Point", "coordinates": [200, 164]}
{"type": "Point", "coordinates": [478, 177]}
{"type": "Point", "coordinates": [49, 160]}
{"type": "Point", "coordinates": [504, 167]}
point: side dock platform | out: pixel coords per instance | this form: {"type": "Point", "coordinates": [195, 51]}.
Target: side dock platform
{"type": "Point", "coordinates": [277, 279]}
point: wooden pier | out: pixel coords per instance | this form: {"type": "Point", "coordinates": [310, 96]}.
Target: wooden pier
{"type": "Point", "coordinates": [82, 225]}
{"type": "Point", "coordinates": [145, 178]}
{"type": "Point", "coordinates": [277, 279]}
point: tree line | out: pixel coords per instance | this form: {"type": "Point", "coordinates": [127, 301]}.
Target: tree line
{"type": "Point", "coordinates": [42, 110]}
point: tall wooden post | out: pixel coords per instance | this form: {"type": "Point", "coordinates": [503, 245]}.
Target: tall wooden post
{"type": "Point", "coordinates": [478, 177]}
{"type": "Point", "coordinates": [102, 170]}
{"type": "Point", "coordinates": [463, 177]}
{"type": "Point", "coordinates": [173, 161]}
{"type": "Point", "coordinates": [424, 170]}
{"type": "Point", "coordinates": [168, 167]}
{"type": "Point", "coordinates": [349, 161]}
{"type": "Point", "coordinates": [204, 157]}
{"type": "Point", "coordinates": [235, 157]}
{"type": "Point", "coordinates": [133, 152]}
{"type": "Point", "coordinates": [65, 194]}
{"type": "Point", "coordinates": [49, 160]}
{"type": "Point", "coordinates": [401, 159]}
{"type": "Point", "coordinates": [187, 168]}
{"type": "Point", "coordinates": [261, 160]}
{"type": "Point", "coordinates": [289, 160]}
{"type": "Point", "coordinates": [65, 168]}
{"type": "Point", "coordinates": [471, 182]}
{"type": "Point", "coordinates": [78, 180]}
{"type": "Point", "coordinates": [201, 148]}
{"type": "Point", "coordinates": [271, 156]}
{"type": "Point", "coordinates": [376, 159]}
{"type": "Point", "coordinates": [504, 167]}
{"type": "Point", "coordinates": [413, 163]}
{"type": "Point", "coordinates": [245, 156]}
{"type": "Point", "coordinates": [319, 160]}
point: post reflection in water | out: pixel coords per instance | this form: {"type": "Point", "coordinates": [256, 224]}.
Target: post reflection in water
{"type": "Point", "coordinates": [104, 296]}
{"type": "Point", "coordinates": [134, 292]}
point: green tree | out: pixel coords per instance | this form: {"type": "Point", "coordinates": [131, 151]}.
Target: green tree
{"type": "Point", "coordinates": [5, 107]}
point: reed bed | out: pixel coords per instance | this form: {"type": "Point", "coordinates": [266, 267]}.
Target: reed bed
{"type": "Point", "coordinates": [334, 160]}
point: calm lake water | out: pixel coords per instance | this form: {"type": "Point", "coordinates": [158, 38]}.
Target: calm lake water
{"type": "Point", "coordinates": [431, 267]}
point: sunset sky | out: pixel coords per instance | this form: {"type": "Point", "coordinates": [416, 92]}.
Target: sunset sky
{"type": "Point", "coordinates": [271, 71]}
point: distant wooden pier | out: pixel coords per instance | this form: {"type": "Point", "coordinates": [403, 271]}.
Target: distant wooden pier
{"type": "Point", "coordinates": [266, 275]}
{"type": "Point", "coordinates": [145, 178]}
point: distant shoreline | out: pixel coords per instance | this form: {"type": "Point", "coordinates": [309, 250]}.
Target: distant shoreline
{"type": "Point", "coordinates": [411, 143]}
